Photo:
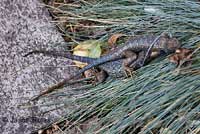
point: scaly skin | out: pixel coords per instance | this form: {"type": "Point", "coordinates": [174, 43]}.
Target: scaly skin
{"type": "Point", "coordinates": [141, 43]}
{"type": "Point", "coordinates": [113, 68]}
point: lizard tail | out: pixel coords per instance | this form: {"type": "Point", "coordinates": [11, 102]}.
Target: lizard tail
{"type": "Point", "coordinates": [66, 80]}
{"type": "Point", "coordinates": [62, 54]}
{"type": "Point", "coordinates": [62, 83]}
{"type": "Point", "coordinates": [50, 89]}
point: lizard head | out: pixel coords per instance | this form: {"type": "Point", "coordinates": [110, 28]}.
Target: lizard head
{"type": "Point", "coordinates": [173, 44]}
{"type": "Point", "coordinates": [168, 43]}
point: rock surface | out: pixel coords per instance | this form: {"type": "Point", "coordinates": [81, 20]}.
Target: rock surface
{"type": "Point", "coordinates": [25, 25]}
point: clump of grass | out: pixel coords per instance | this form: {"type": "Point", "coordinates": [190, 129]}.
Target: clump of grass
{"type": "Point", "coordinates": [162, 98]}
{"type": "Point", "coordinates": [99, 19]}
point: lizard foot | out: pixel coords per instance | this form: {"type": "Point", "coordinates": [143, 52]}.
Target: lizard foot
{"type": "Point", "coordinates": [100, 76]}
{"type": "Point", "coordinates": [129, 71]}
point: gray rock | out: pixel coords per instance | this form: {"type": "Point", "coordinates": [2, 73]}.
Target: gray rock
{"type": "Point", "coordinates": [25, 25]}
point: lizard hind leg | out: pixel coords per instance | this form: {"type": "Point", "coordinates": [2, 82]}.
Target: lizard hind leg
{"type": "Point", "coordinates": [132, 64]}
{"type": "Point", "coordinates": [101, 76]}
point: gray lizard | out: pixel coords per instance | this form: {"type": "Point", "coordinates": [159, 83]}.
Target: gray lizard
{"type": "Point", "coordinates": [138, 44]}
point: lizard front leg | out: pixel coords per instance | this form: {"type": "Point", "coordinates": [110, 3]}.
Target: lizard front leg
{"type": "Point", "coordinates": [130, 64]}
{"type": "Point", "coordinates": [130, 58]}
{"type": "Point", "coordinates": [139, 62]}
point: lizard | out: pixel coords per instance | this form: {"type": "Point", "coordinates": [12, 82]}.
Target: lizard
{"type": "Point", "coordinates": [114, 69]}
{"type": "Point", "coordinates": [141, 43]}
